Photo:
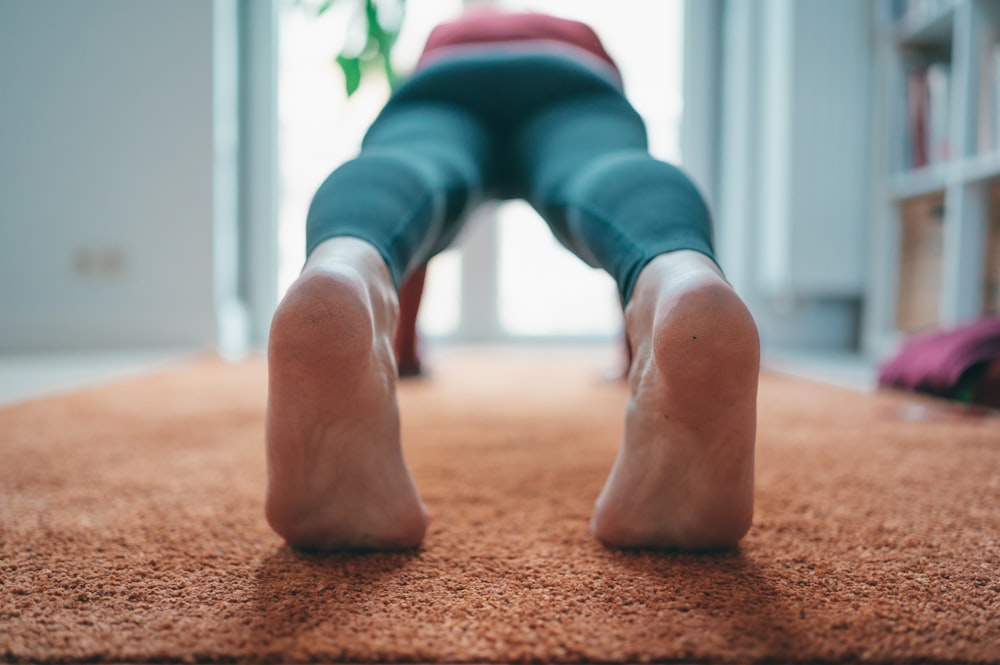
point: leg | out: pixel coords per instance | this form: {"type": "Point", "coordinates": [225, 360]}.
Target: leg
{"type": "Point", "coordinates": [683, 477]}
{"type": "Point", "coordinates": [337, 478]}
{"type": "Point", "coordinates": [407, 353]}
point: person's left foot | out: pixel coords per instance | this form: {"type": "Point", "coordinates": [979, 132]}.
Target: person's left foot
{"type": "Point", "coordinates": [683, 478]}
{"type": "Point", "coordinates": [337, 478]}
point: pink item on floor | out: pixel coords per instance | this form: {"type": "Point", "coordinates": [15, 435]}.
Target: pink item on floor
{"type": "Point", "coordinates": [960, 363]}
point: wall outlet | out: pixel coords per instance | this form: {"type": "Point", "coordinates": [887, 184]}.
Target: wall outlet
{"type": "Point", "coordinates": [104, 262]}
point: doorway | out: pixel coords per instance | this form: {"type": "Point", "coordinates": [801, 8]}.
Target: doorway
{"type": "Point", "coordinates": [524, 284]}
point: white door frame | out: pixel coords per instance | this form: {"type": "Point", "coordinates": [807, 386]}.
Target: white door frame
{"type": "Point", "coordinates": [259, 167]}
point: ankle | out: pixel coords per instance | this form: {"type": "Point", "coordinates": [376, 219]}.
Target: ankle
{"type": "Point", "coordinates": [346, 251]}
{"type": "Point", "coordinates": [680, 265]}
{"type": "Point", "coordinates": [666, 274]}
{"type": "Point", "coordinates": [359, 260]}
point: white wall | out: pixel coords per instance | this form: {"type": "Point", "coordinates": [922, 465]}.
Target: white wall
{"type": "Point", "coordinates": [106, 174]}
{"type": "Point", "coordinates": [817, 62]}
{"type": "Point", "coordinates": [794, 216]}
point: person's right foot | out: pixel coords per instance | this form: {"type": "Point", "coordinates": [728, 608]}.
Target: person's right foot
{"type": "Point", "coordinates": [337, 478]}
{"type": "Point", "coordinates": [684, 474]}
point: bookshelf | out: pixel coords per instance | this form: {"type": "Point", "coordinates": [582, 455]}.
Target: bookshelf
{"type": "Point", "coordinates": [935, 243]}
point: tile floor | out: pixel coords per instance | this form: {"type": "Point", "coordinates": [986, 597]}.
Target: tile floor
{"type": "Point", "coordinates": [27, 376]}
{"type": "Point", "coordinates": [30, 375]}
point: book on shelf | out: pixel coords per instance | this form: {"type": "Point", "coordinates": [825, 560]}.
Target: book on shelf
{"type": "Point", "coordinates": [928, 94]}
{"type": "Point", "coordinates": [915, 140]}
{"type": "Point", "coordinates": [988, 104]}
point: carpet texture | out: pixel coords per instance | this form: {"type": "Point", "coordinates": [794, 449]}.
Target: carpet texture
{"type": "Point", "coordinates": [131, 530]}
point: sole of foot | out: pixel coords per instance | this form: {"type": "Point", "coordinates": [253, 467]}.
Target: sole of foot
{"type": "Point", "coordinates": [337, 478]}
{"type": "Point", "coordinates": [684, 475]}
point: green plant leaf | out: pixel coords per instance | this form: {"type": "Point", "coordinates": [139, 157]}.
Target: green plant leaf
{"type": "Point", "coordinates": [377, 51]}
{"type": "Point", "coordinates": [384, 39]}
{"type": "Point", "coordinates": [352, 73]}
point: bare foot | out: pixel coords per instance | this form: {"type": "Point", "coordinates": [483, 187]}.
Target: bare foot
{"type": "Point", "coordinates": [337, 478]}
{"type": "Point", "coordinates": [684, 474]}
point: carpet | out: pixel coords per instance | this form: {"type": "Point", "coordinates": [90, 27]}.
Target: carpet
{"type": "Point", "coordinates": [131, 530]}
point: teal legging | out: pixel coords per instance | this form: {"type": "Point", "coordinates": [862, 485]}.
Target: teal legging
{"type": "Point", "coordinates": [503, 124]}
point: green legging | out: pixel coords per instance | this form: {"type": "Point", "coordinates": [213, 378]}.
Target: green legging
{"type": "Point", "coordinates": [504, 124]}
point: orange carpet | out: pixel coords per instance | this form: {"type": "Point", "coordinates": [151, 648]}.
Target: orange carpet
{"type": "Point", "coordinates": [131, 531]}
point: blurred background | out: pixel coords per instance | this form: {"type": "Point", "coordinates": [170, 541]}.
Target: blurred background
{"type": "Point", "coordinates": [157, 159]}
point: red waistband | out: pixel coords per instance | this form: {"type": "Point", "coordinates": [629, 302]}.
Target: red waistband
{"type": "Point", "coordinates": [492, 27]}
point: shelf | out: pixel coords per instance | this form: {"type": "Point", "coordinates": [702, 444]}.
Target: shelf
{"type": "Point", "coordinates": [918, 182]}
{"type": "Point", "coordinates": [937, 177]}
{"type": "Point", "coordinates": [936, 233]}
{"type": "Point", "coordinates": [981, 167]}
{"type": "Point", "coordinates": [932, 27]}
